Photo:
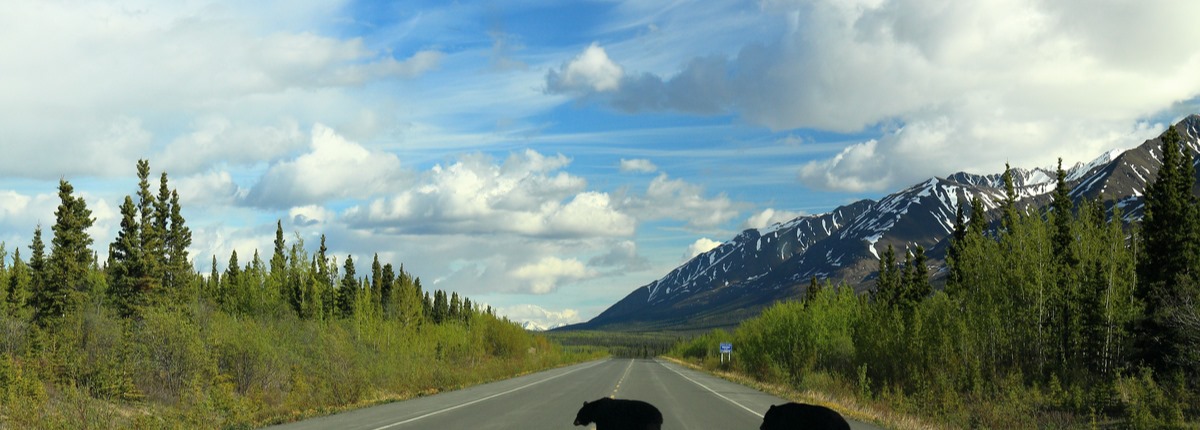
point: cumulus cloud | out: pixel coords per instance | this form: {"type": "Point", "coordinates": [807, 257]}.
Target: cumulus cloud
{"type": "Point", "coordinates": [334, 168]}
{"type": "Point", "coordinates": [310, 215]}
{"type": "Point", "coordinates": [106, 82]}
{"type": "Point", "coordinates": [209, 188]}
{"type": "Point", "coordinates": [968, 83]}
{"type": "Point", "coordinates": [638, 165]}
{"type": "Point", "coordinates": [621, 257]}
{"type": "Point", "coordinates": [700, 246]}
{"type": "Point", "coordinates": [667, 198]}
{"type": "Point", "coordinates": [547, 274]}
{"type": "Point", "coordinates": [770, 216]}
{"type": "Point", "coordinates": [590, 71]}
{"type": "Point", "coordinates": [527, 195]}
{"type": "Point", "coordinates": [217, 139]}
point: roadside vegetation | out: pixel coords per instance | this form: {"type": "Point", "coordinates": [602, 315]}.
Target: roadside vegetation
{"type": "Point", "coordinates": [142, 340]}
{"type": "Point", "coordinates": [1065, 318]}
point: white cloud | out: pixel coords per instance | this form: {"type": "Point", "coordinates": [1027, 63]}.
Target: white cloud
{"type": "Point", "coordinates": [591, 70]}
{"type": "Point", "coordinates": [549, 273]}
{"type": "Point", "coordinates": [216, 139]}
{"type": "Point", "coordinates": [638, 165]}
{"type": "Point", "coordinates": [528, 195]}
{"type": "Point", "coordinates": [214, 188]}
{"type": "Point", "coordinates": [700, 246]}
{"type": "Point", "coordinates": [334, 168]}
{"type": "Point", "coordinates": [667, 198]}
{"type": "Point", "coordinates": [109, 82]}
{"type": "Point", "coordinates": [622, 257]}
{"type": "Point", "coordinates": [310, 215]}
{"type": "Point", "coordinates": [770, 216]}
{"type": "Point", "coordinates": [970, 82]}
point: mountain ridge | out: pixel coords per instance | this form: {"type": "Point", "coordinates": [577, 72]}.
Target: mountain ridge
{"type": "Point", "coordinates": [758, 267]}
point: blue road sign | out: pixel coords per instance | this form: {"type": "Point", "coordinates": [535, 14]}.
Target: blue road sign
{"type": "Point", "coordinates": [726, 348]}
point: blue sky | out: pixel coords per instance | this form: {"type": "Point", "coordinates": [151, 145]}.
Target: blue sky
{"type": "Point", "coordinates": [549, 157]}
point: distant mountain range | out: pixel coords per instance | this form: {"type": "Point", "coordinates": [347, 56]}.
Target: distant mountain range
{"type": "Point", "coordinates": [756, 268]}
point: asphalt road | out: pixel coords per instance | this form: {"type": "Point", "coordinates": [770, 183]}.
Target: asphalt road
{"type": "Point", "coordinates": [689, 400]}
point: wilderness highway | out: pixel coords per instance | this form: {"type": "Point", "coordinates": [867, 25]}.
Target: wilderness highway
{"type": "Point", "coordinates": [688, 400]}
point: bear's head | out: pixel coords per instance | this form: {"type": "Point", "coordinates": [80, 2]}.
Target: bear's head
{"type": "Point", "coordinates": [585, 415]}
{"type": "Point", "coordinates": [770, 419]}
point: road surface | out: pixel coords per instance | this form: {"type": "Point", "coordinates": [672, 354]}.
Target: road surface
{"type": "Point", "coordinates": [689, 400]}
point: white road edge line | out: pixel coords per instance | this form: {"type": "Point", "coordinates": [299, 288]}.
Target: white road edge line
{"type": "Point", "coordinates": [711, 390]}
{"type": "Point", "coordinates": [485, 398]}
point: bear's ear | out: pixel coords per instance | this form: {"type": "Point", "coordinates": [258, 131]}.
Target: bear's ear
{"type": "Point", "coordinates": [585, 402]}
{"type": "Point", "coordinates": [768, 409]}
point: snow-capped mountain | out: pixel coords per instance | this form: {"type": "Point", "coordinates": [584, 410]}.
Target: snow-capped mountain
{"type": "Point", "coordinates": [758, 267]}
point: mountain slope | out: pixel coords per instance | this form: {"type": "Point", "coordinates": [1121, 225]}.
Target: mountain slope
{"type": "Point", "coordinates": [756, 268]}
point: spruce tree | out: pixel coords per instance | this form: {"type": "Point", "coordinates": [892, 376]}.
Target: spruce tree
{"type": "Point", "coordinates": [376, 284]}
{"type": "Point", "coordinates": [387, 289]}
{"type": "Point", "coordinates": [151, 236]}
{"type": "Point", "coordinates": [66, 272]}
{"type": "Point", "coordinates": [179, 238]}
{"type": "Point", "coordinates": [18, 284]}
{"type": "Point", "coordinates": [348, 292]}
{"type": "Point", "coordinates": [126, 264]}
{"type": "Point", "coordinates": [1165, 278]}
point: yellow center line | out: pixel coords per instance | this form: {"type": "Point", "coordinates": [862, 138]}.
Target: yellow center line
{"type": "Point", "coordinates": [618, 387]}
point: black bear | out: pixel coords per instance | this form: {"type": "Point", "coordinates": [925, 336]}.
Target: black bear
{"type": "Point", "coordinates": [796, 416]}
{"type": "Point", "coordinates": [619, 414]}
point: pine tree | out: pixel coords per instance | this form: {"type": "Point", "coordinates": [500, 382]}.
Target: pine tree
{"type": "Point", "coordinates": [441, 308]}
{"type": "Point", "coordinates": [888, 284]}
{"type": "Point", "coordinates": [1009, 207]}
{"type": "Point", "coordinates": [955, 277]}
{"type": "Point", "coordinates": [918, 287]}
{"type": "Point", "coordinates": [126, 264]}
{"type": "Point", "coordinates": [179, 238]}
{"type": "Point", "coordinates": [70, 258]}
{"type": "Point", "coordinates": [377, 284]}
{"type": "Point", "coordinates": [814, 288]}
{"type": "Point", "coordinates": [18, 284]}
{"type": "Point", "coordinates": [348, 293]}
{"type": "Point", "coordinates": [151, 236]}
{"type": "Point", "coordinates": [1165, 277]}
{"type": "Point", "coordinates": [214, 282]}
{"type": "Point", "coordinates": [387, 289]}
{"type": "Point", "coordinates": [455, 311]}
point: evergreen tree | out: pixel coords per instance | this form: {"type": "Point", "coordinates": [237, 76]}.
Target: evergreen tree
{"type": "Point", "coordinates": [126, 264]}
{"type": "Point", "coordinates": [440, 306]}
{"type": "Point", "coordinates": [214, 282]}
{"type": "Point", "coordinates": [179, 238]}
{"type": "Point", "coordinates": [1166, 282]}
{"type": "Point", "coordinates": [955, 277]}
{"type": "Point", "coordinates": [377, 284]}
{"type": "Point", "coordinates": [978, 223]}
{"type": "Point", "coordinates": [66, 273]}
{"type": "Point", "coordinates": [151, 236]}
{"type": "Point", "coordinates": [889, 282]}
{"type": "Point", "coordinates": [17, 287]}
{"type": "Point", "coordinates": [348, 293]}
{"type": "Point", "coordinates": [918, 286]}
{"type": "Point", "coordinates": [814, 288]}
{"type": "Point", "coordinates": [278, 259]}
{"type": "Point", "coordinates": [455, 307]}
{"type": "Point", "coordinates": [1009, 207]}
{"type": "Point", "coordinates": [387, 291]}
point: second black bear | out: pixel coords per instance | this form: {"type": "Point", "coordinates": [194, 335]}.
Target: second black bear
{"type": "Point", "coordinates": [619, 414]}
{"type": "Point", "coordinates": [791, 416]}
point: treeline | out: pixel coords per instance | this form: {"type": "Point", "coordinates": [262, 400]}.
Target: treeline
{"type": "Point", "coordinates": [1058, 317]}
{"type": "Point", "coordinates": [143, 340]}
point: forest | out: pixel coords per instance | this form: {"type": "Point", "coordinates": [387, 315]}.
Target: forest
{"type": "Point", "coordinates": [1063, 317]}
{"type": "Point", "coordinates": [143, 340]}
